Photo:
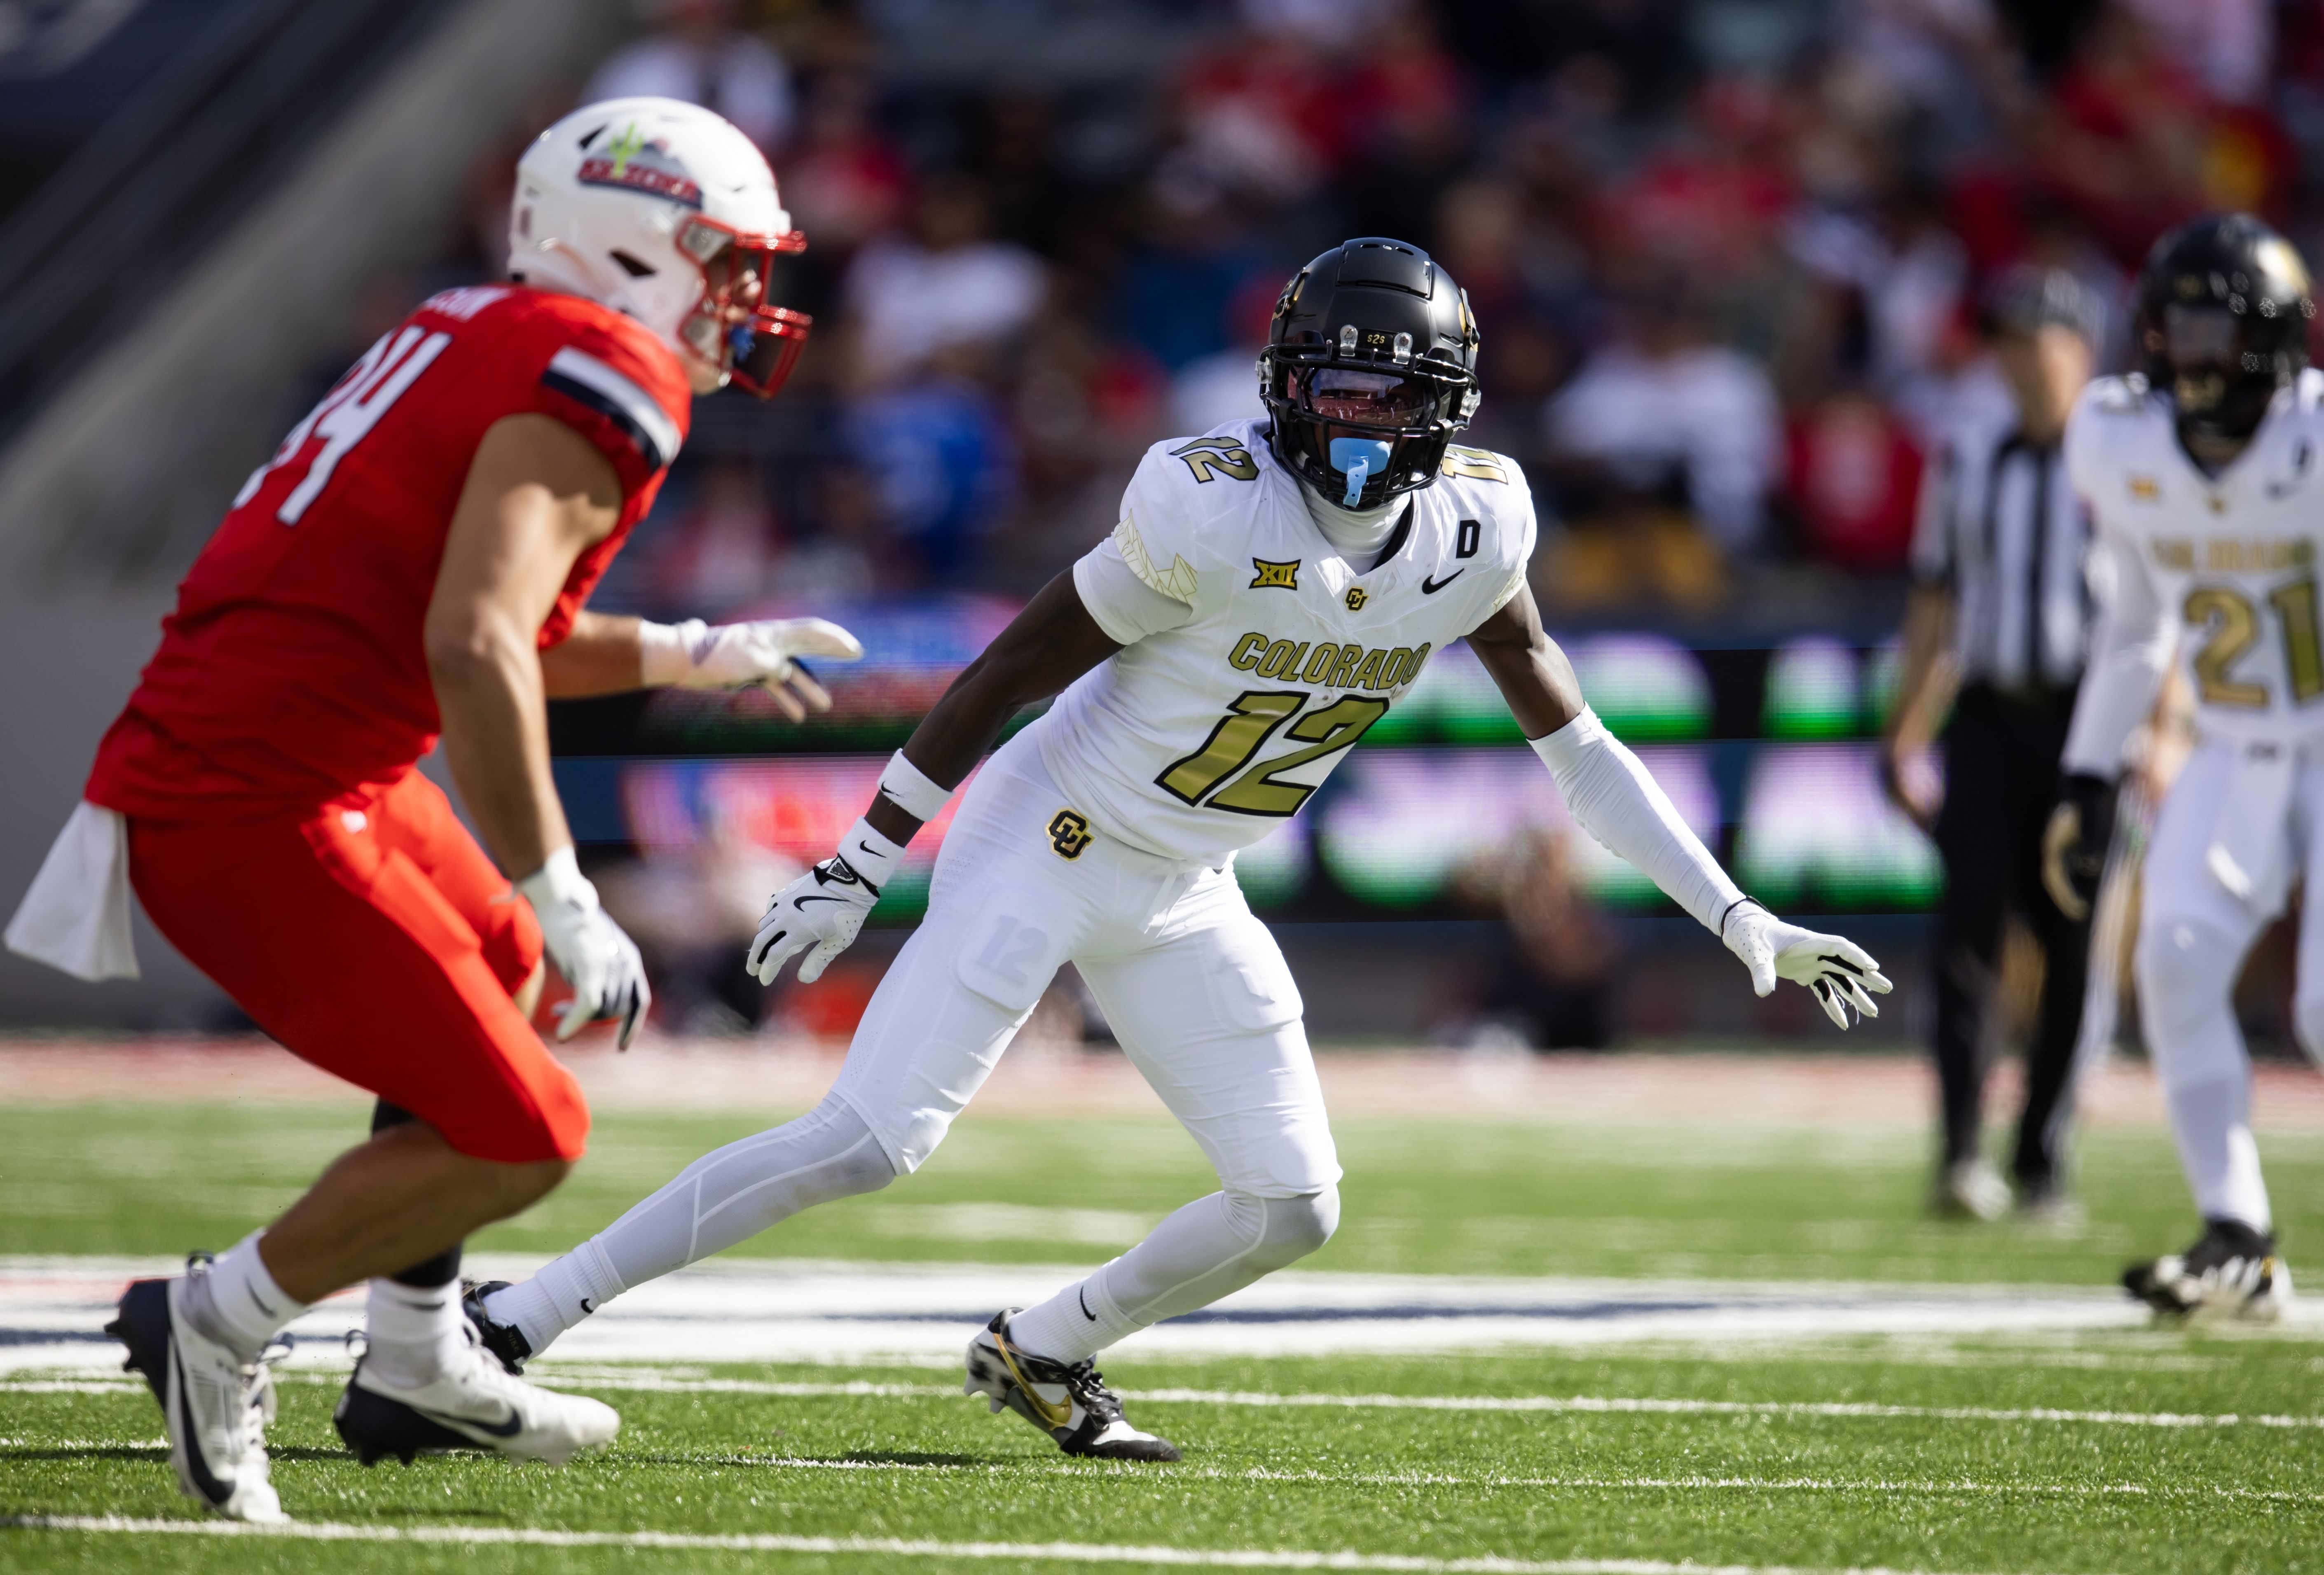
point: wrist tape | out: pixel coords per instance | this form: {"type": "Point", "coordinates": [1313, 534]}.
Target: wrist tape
{"type": "Point", "coordinates": [666, 650]}
{"type": "Point", "coordinates": [910, 790]}
{"type": "Point", "coordinates": [558, 880]}
{"type": "Point", "coordinates": [872, 856]}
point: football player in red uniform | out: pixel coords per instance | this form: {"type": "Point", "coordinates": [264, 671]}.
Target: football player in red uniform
{"type": "Point", "coordinates": [413, 560]}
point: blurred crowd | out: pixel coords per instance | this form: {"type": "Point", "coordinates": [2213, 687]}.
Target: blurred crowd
{"type": "Point", "coordinates": [1726, 255]}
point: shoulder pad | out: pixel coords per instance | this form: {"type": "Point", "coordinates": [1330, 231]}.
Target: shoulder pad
{"type": "Point", "coordinates": [2117, 396]}
{"type": "Point", "coordinates": [1478, 464]}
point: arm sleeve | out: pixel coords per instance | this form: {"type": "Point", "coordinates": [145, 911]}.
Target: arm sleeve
{"type": "Point", "coordinates": [1613, 799]}
{"type": "Point", "coordinates": [2130, 646]}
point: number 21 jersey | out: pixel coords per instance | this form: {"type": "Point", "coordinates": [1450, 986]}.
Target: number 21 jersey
{"type": "Point", "coordinates": [2227, 564]}
{"type": "Point", "coordinates": [1255, 656]}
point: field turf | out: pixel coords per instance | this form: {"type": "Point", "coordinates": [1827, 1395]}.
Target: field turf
{"type": "Point", "coordinates": [2121, 1452]}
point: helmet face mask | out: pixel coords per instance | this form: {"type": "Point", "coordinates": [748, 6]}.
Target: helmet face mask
{"type": "Point", "coordinates": [1370, 362]}
{"type": "Point", "coordinates": [2223, 315]}
{"type": "Point", "coordinates": [664, 212]}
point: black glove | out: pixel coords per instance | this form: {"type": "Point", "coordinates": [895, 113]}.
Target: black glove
{"type": "Point", "coordinates": [2074, 848]}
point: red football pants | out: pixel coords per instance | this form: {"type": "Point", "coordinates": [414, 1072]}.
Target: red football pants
{"type": "Point", "coordinates": [374, 939]}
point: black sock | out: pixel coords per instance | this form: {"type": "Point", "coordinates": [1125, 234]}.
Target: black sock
{"type": "Point", "coordinates": [444, 1267]}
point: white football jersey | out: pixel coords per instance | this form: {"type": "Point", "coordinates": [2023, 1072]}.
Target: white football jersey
{"type": "Point", "coordinates": [2228, 563]}
{"type": "Point", "coordinates": [1203, 738]}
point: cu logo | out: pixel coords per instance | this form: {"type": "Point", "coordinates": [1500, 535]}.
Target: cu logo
{"type": "Point", "coordinates": [1069, 834]}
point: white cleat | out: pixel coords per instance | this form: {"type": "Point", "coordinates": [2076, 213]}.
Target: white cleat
{"type": "Point", "coordinates": [477, 1406]}
{"type": "Point", "coordinates": [1071, 1404]}
{"type": "Point", "coordinates": [2233, 1272]}
{"type": "Point", "coordinates": [213, 1404]}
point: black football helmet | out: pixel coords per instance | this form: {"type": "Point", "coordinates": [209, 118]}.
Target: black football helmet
{"type": "Point", "coordinates": [2223, 314]}
{"type": "Point", "coordinates": [1370, 366]}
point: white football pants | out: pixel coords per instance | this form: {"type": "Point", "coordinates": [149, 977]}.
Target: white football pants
{"type": "Point", "coordinates": [1196, 991]}
{"type": "Point", "coordinates": [2192, 938]}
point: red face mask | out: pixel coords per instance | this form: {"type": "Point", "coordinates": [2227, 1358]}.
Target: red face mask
{"type": "Point", "coordinates": [760, 344]}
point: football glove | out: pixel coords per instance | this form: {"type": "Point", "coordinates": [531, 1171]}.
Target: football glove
{"type": "Point", "coordinates": [597, 960]}
{"type": "Point", "coordinates": [1838, 970]}
{"type": "Point", "coordinates": [823, 908]}
{"type": "Point", "coordinates": [2074, 845]}
{"type": "Point", "coordinates": [695, 654]}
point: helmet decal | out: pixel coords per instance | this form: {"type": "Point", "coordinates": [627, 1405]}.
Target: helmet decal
{"type": "Point", "coordinates": [632, 160]}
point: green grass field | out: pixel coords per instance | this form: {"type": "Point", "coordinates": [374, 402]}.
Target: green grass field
{"type": "Point", "coordinates": [916, 1478]}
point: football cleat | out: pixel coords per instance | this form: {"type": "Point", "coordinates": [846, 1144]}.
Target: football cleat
{"type": "Point", "coordinates": [1967, 1189]}
{"type": "Point", "coordinates": [213, 1404]}
{"type": "Point", "coordinates": [474, 1406]}
{"type": "Point", "coordinates": [2232, 1271]}
{"type": "Point", "coordinates": [506, 1341]}
{"type": "Point", "coordinates": [1072, 1404]}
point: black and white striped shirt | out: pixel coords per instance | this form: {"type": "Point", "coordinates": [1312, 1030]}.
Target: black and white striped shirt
{"type": "Point", "coordinates": [2001, 527]}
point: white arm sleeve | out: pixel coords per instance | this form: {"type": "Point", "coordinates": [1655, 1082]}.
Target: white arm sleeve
{"type": "Point", "coordinates": [1124, 604]}
{"type": "Point", "coordinates": [2131, 644]}
{"type": "Point", "coordinates": [1612, 797]}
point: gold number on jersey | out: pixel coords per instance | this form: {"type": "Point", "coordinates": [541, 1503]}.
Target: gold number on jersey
{"type": "Point", "coordinates": [1250, 717]}
{"type": "Point", "coordinates": [2234, 628]}
{"type": "Point", "coordinates": [1327, 732]}
{"type": "Point", "coordinates": [2303, 651]}
{"type": "Point", "coordinates": [1211, 457]}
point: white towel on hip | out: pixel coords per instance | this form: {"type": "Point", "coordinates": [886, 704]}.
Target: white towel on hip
{"type": "Point", "coordinates": [75, 917]}
{"type": "Point", "coordinates": [2251, 839]}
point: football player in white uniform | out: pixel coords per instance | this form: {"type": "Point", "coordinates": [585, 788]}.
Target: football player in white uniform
{"type": "Point", "coordinates": [2201, 479]}
{"type": "Point", "coordinates": [1271, 590]}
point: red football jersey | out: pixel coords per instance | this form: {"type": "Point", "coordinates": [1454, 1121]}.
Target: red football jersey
{"type": "Point", "coordinates": [293, 669]}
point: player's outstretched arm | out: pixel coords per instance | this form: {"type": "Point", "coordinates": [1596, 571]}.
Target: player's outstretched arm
{"type": "Point", "coordinates": [1612, 797]}
{"type": "Point", "coordinates": [538, 495]}
{"type": "Point", "coordinates": [608, 655]}
{"type": "Point", "coordinates": [1048, 645]}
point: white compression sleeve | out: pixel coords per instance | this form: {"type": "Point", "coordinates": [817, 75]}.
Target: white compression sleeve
{"type": "Point", "coordinates": [1615, 800]}
{"type": "Point", "coordinates": [724, 1197]}
{"type": "Point", "coordinates": [1212, 1248]}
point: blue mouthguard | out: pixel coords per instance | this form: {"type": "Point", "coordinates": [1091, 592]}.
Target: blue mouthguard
{"type": "Point", "coordinates": [1360, 457]}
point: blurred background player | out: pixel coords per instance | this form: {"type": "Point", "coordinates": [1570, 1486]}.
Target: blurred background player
{"type": "Point", "coordinates": [2202, 478]}
{"type": "Point", "coordinates": [1270, 591]}
{"type": "Point", "coordinates": [412, 561]}
{"type": "Point", "coordinates": [1999, 609]}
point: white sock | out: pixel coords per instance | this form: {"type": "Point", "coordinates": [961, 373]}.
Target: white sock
{"type": "Point", "coordinates": [238, 1303]}
{"type": "Point", "coordinates": [2212, 1121]}
{"type": "Point", "coordinates": [565, 1291]}
{"type": "Point", "coordinates": [1212, 1248]}
{"type": "Point", "coordinates": [416, 1333]}
{"type": "Point", "coordinates": [1074, 1324]}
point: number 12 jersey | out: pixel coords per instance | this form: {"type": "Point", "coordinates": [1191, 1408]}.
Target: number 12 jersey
{"type": "Point", "coordinates": [1255, 656]}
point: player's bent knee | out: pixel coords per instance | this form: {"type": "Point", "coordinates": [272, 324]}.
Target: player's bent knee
{"type": "Point", "coordinates": [2184, 970]}
{"type": "Point", "coordinates": [1296, 1227]}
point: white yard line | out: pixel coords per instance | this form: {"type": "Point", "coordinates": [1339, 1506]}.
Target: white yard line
{"type": "Point", "coordinates": [903, 1548]}
{"type": "Point", "coordinates": [1581, 1405]}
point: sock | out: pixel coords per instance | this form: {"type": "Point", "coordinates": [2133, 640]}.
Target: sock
{"type": "Point", "coordinates": [565, 1291]}
{"type": "Point", "coordinates": [416, 1333]}
{"type": "Point", "coordinates": [238, 1303]}
{"type": "Point", "coordinates": [1074, 1324]}
{"type": "Point", "coordinates": [2212, 1122]}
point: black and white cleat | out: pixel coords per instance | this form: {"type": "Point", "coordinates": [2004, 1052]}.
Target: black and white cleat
{"type": "Point", "coordinates": [477, 1406]}
{"type": "Point", "coordinates": [506, 1341]}
{"type": "Point", "coordinates": [1072, 1404]}
{"type": "Point", "coordinates": [2232, 1271]}
{"type": "Point", "coordinates": [215, 1406]}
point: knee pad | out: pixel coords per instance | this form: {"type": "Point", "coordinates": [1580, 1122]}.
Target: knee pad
{"type": "Point", "coordinates": [858, 1163]}
{"type": "Point", "coordinates": [2185, 970]}
{"type": "Point", "coordinates": [1286, 1229]}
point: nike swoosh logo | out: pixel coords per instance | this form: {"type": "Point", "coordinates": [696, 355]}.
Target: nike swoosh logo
{"type": "Point", "coordinates": [587, 1305]}
{"type": "Point", "coordinates": [1429, 587]}
{"type": "Point", "coordinates": [803, 901]}
{"type": "Point", "coordinates": [1082, 1292]}
{"type": "Point", "coordinates": [510, 1428]}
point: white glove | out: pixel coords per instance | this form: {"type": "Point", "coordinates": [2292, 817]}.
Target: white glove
{"type": "Point", "coordinates": [597, 960]}
{"type": "Point", "coordinates": [823, 908]}
{"type": "Point", "coordinates": [1838, 970]}
{"type": "Point", "coordinates": [695, 654]}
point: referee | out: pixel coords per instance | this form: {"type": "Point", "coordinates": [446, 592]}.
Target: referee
{"type": "Point", "coordinates": [2000, 606]}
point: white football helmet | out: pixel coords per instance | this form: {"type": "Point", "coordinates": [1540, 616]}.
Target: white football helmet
{"type": "Point", "coordinates": [668, 214]}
